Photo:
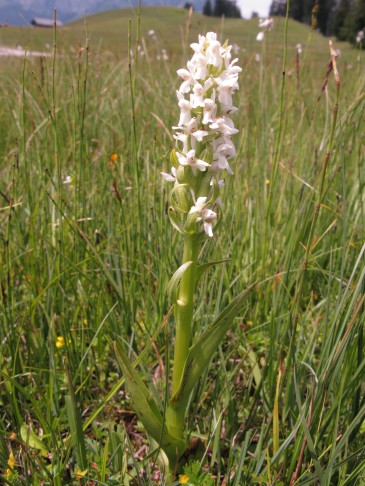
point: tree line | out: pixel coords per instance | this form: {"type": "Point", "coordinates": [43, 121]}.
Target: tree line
{"type": "Point", "coordinates": [228, 8]}
{"type": "Point", "coordinates": [342, 18]}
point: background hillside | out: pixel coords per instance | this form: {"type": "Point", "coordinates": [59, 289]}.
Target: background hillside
{"type": "Point", "coordinates": [109, 31]}
{"type": "Point", "coordinates": [21, 12]}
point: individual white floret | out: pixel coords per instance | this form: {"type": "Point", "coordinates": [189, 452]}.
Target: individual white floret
{"type": "Point", "coordinates": [185, 112]}
{"type": "Point", "coordinates": [225, 91]}
{"type": "Point", "coordinates": [208, 216]}
{"type": "Point", "coordinates": [213, 54]}
{"type": "Point", "coordinates": [170, 177]}
{"type": "Point", "coordinates": [187, 75]}
{"type": "Point", "coordinates": [192, 161]}
{"type": "Point", "coordinates": [224, 125]}
{"type": "Point", "coordinates": [209, 112]}
{"type": "Point", "coordinates": [199, 90]}
{"type": "Point", "coordinates": [200, 62]}
{"type": "Point", "coordinates": [182, 137]}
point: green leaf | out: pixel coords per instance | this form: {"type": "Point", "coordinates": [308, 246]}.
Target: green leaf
{"type": "Point", "coordinates": [173, 285]}
{"type": "Point", "coordinates": [196, 477]}
{"type": "Point", "coordinates": [75, 422]}
{"type": "Point", "coordinates": [255, 367]}
{"type": "Point", "coordinates": [202, 351]}
{"type": "Point", "coordinates": [205, 266]}
{"type": "Point", "coordinates": [31, 438]}
{"type": "Point", "coordinates": [143, 401]}
{"type": "Point", "coordinates": [146, 408]}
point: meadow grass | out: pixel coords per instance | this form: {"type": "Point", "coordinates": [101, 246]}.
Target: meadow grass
{"type": "Point", "coordinates": [87, 263]}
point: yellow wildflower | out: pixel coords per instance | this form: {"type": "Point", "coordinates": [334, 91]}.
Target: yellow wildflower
{"type": "Point", "coordinates": [183, 479]}
{"type": "Point", "coordinates": [9, 473]}
{"type": "Point", "coordinates": [60, 342]}
{"type": "Point", "coordinates": [80, 474]}
{"type": "Point", "coordinates": [11, 461]}
{"type": "Point", "coordinates": [267, 182]}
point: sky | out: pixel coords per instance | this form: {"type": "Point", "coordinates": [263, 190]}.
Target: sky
{"type": "Point", "coordinates": [259, 6]}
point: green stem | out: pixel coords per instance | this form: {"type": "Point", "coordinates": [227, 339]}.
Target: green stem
{"type": "Point", "coordinates": [183, 321]}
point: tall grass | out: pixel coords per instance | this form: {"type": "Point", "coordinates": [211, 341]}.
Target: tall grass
{"type": "Point", "coordinates": [89, 262]}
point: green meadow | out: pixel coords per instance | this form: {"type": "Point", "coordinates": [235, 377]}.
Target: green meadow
{"type": "Point", "coordinates": [87, 251]}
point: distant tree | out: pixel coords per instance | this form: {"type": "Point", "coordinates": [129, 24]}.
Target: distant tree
{"type": "Point", "coordinates": [278, 8]}
{"type": "Point", "coordinates": [358, 17]}
{"type": "Point", "coordinates": [325, 14]}
{"type": "Point", "coordinates": [228, 8]}
{"type": "Point", "coordinates": [188, 6]}
{"type": "Point", "coordinates": [207, 9]}
{"type": "Point", "coordinates": [349, 19]}
{"type": "Point", "coordinates": [254, 15]}
{"type": "Point", "coordinates": [307, 11]}
{"type": "Point", "coordinates": [297, 10]}
{"type": "Point", "coordinates": [343, 20]}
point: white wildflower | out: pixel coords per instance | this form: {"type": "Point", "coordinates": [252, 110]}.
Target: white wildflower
{"type": "Point", "coordinates": [165, 56]}
{"type": "Point", "coordinates": [360, 36]}
{"type": "Point", "coordinates": [266, 25]}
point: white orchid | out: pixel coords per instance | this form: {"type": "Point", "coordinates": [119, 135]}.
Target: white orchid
{"type": "Point", "coordinates": [203, 134]}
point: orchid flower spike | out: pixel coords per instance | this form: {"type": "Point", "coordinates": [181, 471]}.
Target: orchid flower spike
{"type": "Point", "coordinates": [203, 136]}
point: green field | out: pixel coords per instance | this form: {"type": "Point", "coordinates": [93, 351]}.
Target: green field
{"type": "Point", "coordinates": [87, 251]}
